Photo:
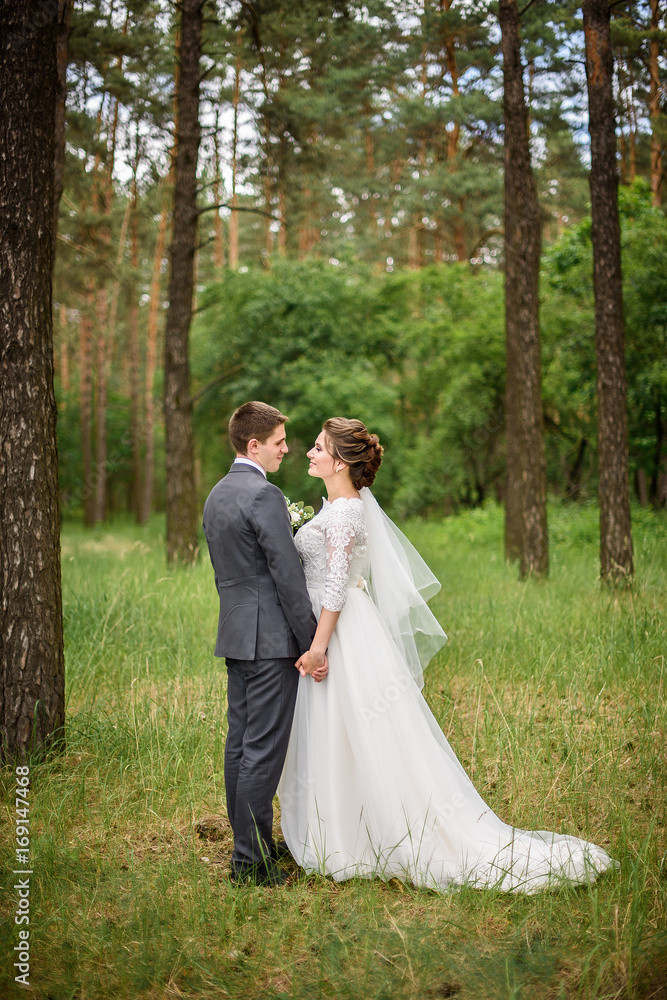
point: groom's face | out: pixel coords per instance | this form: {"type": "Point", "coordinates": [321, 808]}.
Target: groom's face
{"type": "Point", "coordinates": [270, 453]}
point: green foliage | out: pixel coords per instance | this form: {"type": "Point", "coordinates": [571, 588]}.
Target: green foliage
{"type": "Point", "coordinates": [417, 356]}
{"type": "Point", "coordinates": [568, 326]}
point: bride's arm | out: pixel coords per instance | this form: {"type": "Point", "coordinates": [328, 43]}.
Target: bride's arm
{"type": "Point", "coordinates": [340, 535]}
{"type": "Point", "coordinates": [314, 661]}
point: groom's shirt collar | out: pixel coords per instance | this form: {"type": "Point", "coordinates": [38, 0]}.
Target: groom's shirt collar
{"type": "Point", "coordinates": [253, 465]}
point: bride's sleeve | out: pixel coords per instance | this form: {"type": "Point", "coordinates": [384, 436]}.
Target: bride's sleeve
{"type": "Point", "coordinates": [340, 535]}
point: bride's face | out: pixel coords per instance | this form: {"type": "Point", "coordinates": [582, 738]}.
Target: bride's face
{"type": "Point", "coordinates": [322, 463]}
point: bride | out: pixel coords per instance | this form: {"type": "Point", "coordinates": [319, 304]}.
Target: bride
{"type": "Point", "coordinates": [371, 786]}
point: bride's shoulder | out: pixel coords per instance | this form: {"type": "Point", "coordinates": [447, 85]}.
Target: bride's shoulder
{"type": "Point", "coordinates": [348, 510]}
{"type": "Point", "coordinates": [348, 504]}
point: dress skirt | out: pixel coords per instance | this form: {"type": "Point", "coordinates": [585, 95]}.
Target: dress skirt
{"type": "Point", "coordinates": [372, 788]}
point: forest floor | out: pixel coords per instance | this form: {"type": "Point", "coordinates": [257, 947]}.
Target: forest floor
{"type": "Point", "coordinates": [552, 694]}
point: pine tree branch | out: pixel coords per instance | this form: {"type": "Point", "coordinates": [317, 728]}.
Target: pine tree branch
{"type": "Point", "coordinates": [240, 208]}
{"type": "Point", "coordinates": [192, 402]}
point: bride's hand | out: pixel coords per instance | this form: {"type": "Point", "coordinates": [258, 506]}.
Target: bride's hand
{"type": "Point", "coordinates": [314, 663]}
{"type": "Point", "coordinates": [321, 672]}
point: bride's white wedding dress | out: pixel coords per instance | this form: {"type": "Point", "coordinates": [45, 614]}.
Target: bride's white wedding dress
{"type": "Point", "coordinates": [371, 786]}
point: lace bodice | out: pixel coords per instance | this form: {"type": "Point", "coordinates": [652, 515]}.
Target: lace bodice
{"type": "Point", "coordinates": [334, 549]}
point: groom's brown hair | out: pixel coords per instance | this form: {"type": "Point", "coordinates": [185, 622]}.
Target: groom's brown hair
{"type": "Point", "coordinates": [253, 420]}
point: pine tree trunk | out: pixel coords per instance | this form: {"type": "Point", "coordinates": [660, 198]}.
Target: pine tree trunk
{"type": "Point", "coordinates": [268, 237]}
{"type": "Point", "coordinates": [522, 263]}
{"type": "Point", "coordinates": [282, 209]}
{"type": "Point", "coordinates": [105, 323]}
{"type": "Point", "coordinates": [234, 216]}
{"type": "Point", "coordinates": [513, 518]}
{"type": "Point", "coordinates": [414, 248]}
{"type": "Point", "coordinates": [86, 402]}
{"type": "Point", "coordinates": [133, 322]}
{"type": "Point", "coordinates": [654, 108]}
{"type": "Point", "coordinates": [218, 251]}
{"type": "Point", "coordinates": [182, 512]}
{"type": "Point", "coordinates": [658, 465]}
{"type": "Point", "coordinates": [32, 693]}
{"type": "Point", "coordinates": [64, 19]}
{"type": "Point", "coordinates": [64, 354]}
{"type": "Point", "coordinates": [614, 488]}
{"type": "Point", "coordinates": [151, 360]}
{"type": "Point", "coordinates": [99, 501]}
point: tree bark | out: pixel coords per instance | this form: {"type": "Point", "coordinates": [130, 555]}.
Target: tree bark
{"type": "Point", "coordinates": [522, 263]}
{"type": "Point", "coordinates": [32, 702]}
{"type": "Point", "coordinates": [614, 486]}
{"type": "Point", "coordinates": [182, 513]}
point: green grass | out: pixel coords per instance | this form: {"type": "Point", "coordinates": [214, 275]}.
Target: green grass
{"type": "Point", "coordinates": [552, 694]}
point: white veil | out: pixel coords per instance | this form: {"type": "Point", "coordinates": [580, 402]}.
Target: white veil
{"type": "Point", "coordinates": [400, 584]}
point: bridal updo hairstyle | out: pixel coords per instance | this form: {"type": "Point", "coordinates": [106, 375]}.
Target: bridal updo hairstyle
{"type": "Point", "coordinates": [350, 442]}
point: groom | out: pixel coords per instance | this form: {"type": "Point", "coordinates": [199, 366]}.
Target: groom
{"type": "Point", "coordinates": [266, 622]}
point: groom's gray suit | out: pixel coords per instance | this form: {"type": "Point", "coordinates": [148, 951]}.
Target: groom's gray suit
{"type": "Point", "coordinates": [266, 622]}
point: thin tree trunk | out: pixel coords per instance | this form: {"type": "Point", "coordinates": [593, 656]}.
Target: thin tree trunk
{"type": "Point", "coordinates": [623, 147]}
{"type": "Point", "coordinates": [32, 692]}
{"type": "Point", "coordinates": [64, 355]}
{"type": "Point", "coordinates": [133, 323]}
{"type": "Point", "coordinates": [642, 488]}
{"type": "Point", "coordinates": [218, 247]}
{"type": "Point", "coordinates": [522, 263]}
{"type": "Point", "coordinates": [453, 136]}
{"type": "Point", "coordinates": [574, 474]}
{"type": "Point", "coordinates": [414, 248]}
{"type": "Point", "coordinates": [658, 465]}
{"type": "Point", "coordinates": [115, 288]}
{"type": "Point", "coordinates": [654, 108]}
{"type": "Point", "coordinates": [454, 130]}
{"type": "Point", "coordinates": [513, 518]}
{"type": "Point", "coordinates": [103, 352]}
{"type": "Point", "coordinates": [615, 526]}
{"type": "Point", "coordinates": [308, 234]}
{"type": "Point", "coordinates": [101, 368]}
{"type": "Point", "coordinates": [182, 512]}
{"type": "Point", "coordinates": [86, 402]}
{"type": "Point", "coordinates": [64, 20]}
{"type": "Point", "coordinates": [151, 359]}
{"type": "Point", "coordinates": [282, 209]}
{"type": "Point", "coordinates": [234, 216]}
{"type": "Point", "coordinates": [268, 237]}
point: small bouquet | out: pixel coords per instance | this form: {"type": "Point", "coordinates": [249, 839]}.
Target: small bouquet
{"type": "Point", "coordinates": [298, 513]}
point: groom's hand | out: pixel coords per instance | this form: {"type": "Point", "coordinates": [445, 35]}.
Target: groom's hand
{"type": "Point", "coordinates": [312, 662]}
{"type": "Point", "coordinates": [321, 672]}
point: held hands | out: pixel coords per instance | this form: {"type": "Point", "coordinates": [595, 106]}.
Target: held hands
{"type": "Point", "coordinates": [314, 663]}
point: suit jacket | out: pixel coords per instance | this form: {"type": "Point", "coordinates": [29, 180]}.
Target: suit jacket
{"type": "Point", "coordinates": [265, 610]}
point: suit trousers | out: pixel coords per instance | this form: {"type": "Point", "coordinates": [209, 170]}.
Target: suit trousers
{"type": "Point", "coordinates": [261, 695]}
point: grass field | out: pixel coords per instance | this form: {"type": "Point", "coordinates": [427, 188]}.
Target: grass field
{"type": "Point", "coordinates": [552, 694]}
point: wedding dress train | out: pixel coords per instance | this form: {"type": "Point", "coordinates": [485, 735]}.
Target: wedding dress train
{"type": "Point", "coordinates": [371, 787]}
